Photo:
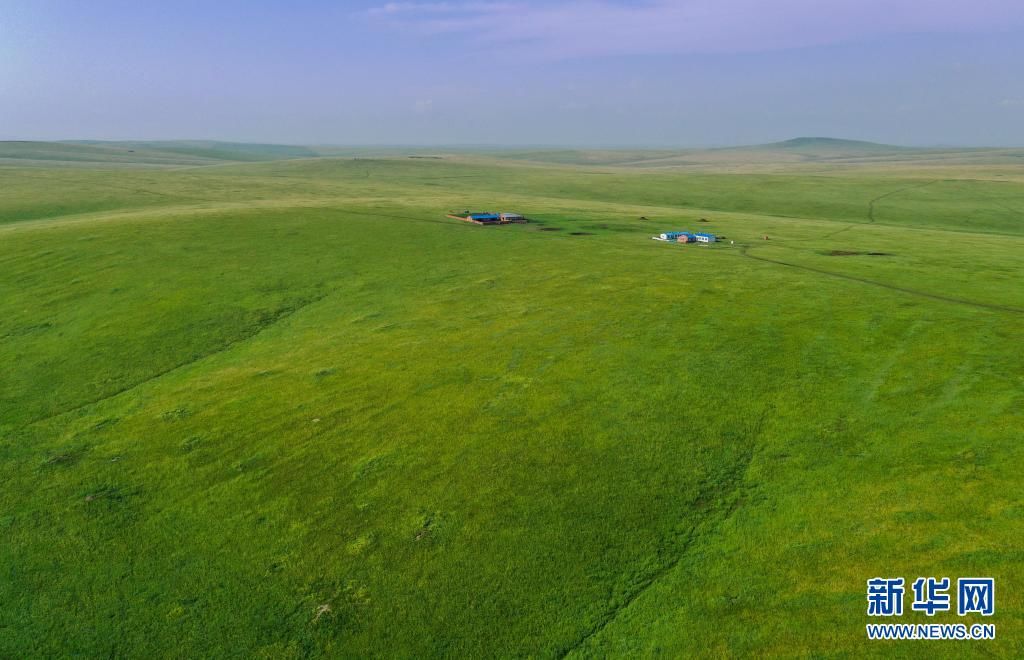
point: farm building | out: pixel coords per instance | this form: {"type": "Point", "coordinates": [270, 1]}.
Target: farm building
{"type": "Point", "coordinates": [488, 218]}
{"type": "Point", "coordinates": [685, 237]}
{"type": "Point", "coordinates": [478, 218]}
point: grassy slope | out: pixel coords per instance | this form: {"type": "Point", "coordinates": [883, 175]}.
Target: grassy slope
{"type": "Point", "coordinates": [806, 155]}
{"type": "Point", "coordinates": [247, 392]}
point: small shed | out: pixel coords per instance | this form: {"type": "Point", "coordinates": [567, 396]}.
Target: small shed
{"type": "Point", "coordinates": [484, 218]}
{"type": "Point", "coordinates": [511, 217]}
{"type": "Point", "coordinates": [703, 237]}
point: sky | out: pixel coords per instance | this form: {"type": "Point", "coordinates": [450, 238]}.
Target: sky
{"type": "Point", "coordinates": [597, 73]}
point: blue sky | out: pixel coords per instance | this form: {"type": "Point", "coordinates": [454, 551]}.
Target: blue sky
{"type": "Point", "coordinates": [575, 73]}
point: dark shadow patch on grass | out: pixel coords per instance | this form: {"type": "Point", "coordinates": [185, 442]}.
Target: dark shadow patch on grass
{"type": "Point", "coordinates": [429, 527]}
{"type": "Point", "coordinates": [607, 227]}
{"type": "Point", "coordinates": [175, 415]}
{"type": "Point", "coordinates": [371, 467]}
{"type": "Point", "coordinates": [109, 497]}
{"type": "Point", "coordinates": [254, 463]}
{"type": "Point", "coordinates": [369, 316]}
{"type": "Point", "coordinates": [191, 444]}
{"type": "Point", "coordinates": [65, 458]}
{"type": "Point", "coordinates": [580, 233]}
{"type": "Point", "coordinates": [25, 330]}
{"type": "Point", "coordinates": [113, 493]}
{"type": "Point", "coordinates": [104, 423]}
{"type": "Point", "coordinates": [852, 253]}
{"type": "Point", "coordinates": [908, 517]}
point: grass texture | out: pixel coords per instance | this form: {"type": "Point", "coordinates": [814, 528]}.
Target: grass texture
{"type": "Point", "coordinates": [288, 409]}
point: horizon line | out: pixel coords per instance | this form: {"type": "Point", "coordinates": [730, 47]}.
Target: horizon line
{"type": "Point", "coordinates": [505, 146]}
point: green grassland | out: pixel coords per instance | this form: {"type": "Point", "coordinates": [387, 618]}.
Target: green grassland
{"type": "Point", "coordinates": [287, 408]}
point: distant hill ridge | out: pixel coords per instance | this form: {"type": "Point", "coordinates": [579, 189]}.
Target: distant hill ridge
{"type": "Point", "coordinates": [811, 151]}
{"type": "Point", "coordinates": [210, 148]}
{"type": "Point", "coordinates": [830, 145]}
{"type": "Point", "coordinates": [144, 153]}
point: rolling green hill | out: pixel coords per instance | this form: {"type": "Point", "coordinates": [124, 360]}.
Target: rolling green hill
{"type": "Point", "coordinates": [167, 153]}
{"type": "Point", "coordinates": [233, 151]}
{"type": "Point", "coordinates": [809, 155]}
{"type": "Point", "coordinates": [824, 145]}
{"type": "Point", "coordinates": [289, 409]}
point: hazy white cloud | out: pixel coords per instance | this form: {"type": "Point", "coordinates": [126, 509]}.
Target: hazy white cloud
{"type": "Point", "coordinates": [601, 27]}
{"type": "Point", "coordinates": [435, 8]}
